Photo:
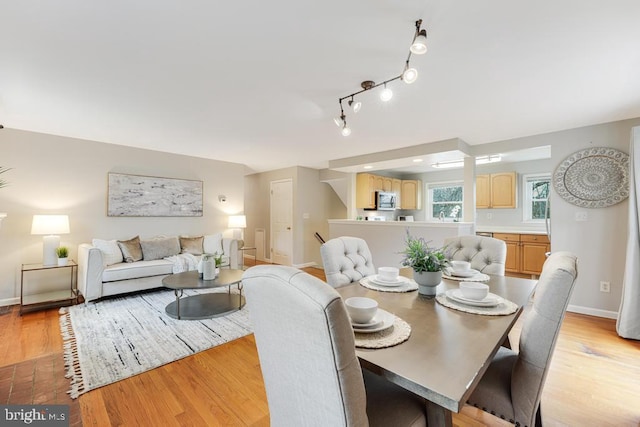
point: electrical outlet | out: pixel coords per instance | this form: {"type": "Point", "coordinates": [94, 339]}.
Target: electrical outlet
{"type": "Point", "coordinates": [489, 216]}
{"type": "Point", "coordinates": [582, 216]}
{"type": "Point", "coordinates": [605, 287]}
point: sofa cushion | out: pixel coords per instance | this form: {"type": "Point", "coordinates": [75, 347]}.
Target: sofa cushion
{"type": "Point", "coordinates": [136, 270]}
{"type": "Point", "coordinates": [159, 248]}
{"type": "Point", "coordinates": [213, 244]}
{"type": "Point", "coordinates": [131, 250]}
{"type": "Point", "coordinates": [192, 245]}
{"type": "Point", "coordinates": [111, 253]}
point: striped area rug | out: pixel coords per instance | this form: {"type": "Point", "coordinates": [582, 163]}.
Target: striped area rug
{"type": "Point", "coordinates": [114, 339]}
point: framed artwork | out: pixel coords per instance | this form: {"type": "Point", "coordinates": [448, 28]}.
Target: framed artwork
{"type": "Point", "coordinates": [135, 195]}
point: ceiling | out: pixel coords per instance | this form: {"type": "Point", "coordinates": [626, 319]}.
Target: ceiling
{"type": "Point", "coordinates": [258, 82]}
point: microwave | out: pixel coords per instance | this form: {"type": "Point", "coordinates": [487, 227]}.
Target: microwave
{"type": "Point", "coordinates": [385, 201]}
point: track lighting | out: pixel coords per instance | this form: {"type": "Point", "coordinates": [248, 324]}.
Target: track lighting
{"type": "Point", "coordinates": [355, 105]}
{"type": "Point", "coordinates": [419, 45]}
{"type": "Point", "coordinates": [386, 94]}
{"type": "Point", "coordinates": [409, 75]}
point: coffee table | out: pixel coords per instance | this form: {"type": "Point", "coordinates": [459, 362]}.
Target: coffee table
{"type": "Point", "coordinates": [204, 306]}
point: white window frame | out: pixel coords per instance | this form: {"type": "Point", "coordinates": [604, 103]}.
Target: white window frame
{"type": "Point", "coordinates": [430, 186]}
{"type": "Point", "coordinates": [527, 196]}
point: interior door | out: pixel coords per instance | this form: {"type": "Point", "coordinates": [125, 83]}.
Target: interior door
{"type": "Point", "coordinates": [281, 222]}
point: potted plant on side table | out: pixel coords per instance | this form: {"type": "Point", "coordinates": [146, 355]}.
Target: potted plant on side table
{"type": "Point", "coordinates": [63, 255]}
{"type": "Point", "coordinates": [427, 263]}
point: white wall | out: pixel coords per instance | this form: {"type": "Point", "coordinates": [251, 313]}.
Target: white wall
{"type": "Point", "coordinates": [52, 174]}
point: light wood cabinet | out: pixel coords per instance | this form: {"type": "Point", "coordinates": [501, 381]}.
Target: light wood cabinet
{"type": "Point", "coordinates": [387, 183]}
{"type": "Point", "coordinates": [366, 191]}
{"type": "Point", "coordinates": [497, 191]}
{"type": "Point", "coordinates": [526, 253]}
{"type": "Point", "coordinates": [411, 194]}
{"type": "Point", "coordinates": [396, 187]}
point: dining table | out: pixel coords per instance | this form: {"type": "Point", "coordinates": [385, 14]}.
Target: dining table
{"type": "Point", "coordinates": [448, 350]}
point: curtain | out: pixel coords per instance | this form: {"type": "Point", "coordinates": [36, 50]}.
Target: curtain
{"type": "Point", "coordinates": [628, 324]}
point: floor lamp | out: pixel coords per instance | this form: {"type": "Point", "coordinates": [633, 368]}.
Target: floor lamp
{"type": "Point", "coordinates": [50, 226]}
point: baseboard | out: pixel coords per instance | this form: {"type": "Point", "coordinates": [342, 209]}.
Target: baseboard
{"type": "Point", "coordinates": [9, 301]}
{"type": "Point", "coordinates": [593, 312]}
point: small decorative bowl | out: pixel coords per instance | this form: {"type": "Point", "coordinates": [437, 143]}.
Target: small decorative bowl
{"type": "Point", "coordinates": [388, 273]}
{"type": "Point", "coordinates": [474, 290]}
{"type": "Point", "coordinates": [361, 309]}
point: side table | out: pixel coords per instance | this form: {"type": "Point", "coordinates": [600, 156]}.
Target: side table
{"type": "Point", "coordinates": [31, 302]}
{"type": "Point", "coordinates": [245, 249]}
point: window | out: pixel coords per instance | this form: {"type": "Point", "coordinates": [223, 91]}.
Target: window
{"type": "Point", "coordinates": [536, 193]}
{"type": "Point", "coordinates": [445, 198]}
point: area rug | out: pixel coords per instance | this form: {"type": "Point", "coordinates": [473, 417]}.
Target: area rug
{"type": "Point", "coordinates": [114, 339]}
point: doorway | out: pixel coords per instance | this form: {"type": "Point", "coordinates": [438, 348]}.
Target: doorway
{"type": "Point", "coordinates": [281, 203]}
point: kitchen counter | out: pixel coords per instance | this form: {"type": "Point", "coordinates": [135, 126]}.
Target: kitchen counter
{"type": "Point", "coordinates": [386, 239]}
{"type": "Point", "coordinates": [514, 230]}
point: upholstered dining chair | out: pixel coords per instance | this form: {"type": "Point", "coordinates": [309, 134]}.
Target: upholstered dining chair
{"type": "Point", "coordinates": [512, 385]}
{"type": "Point", "coordinates": [345, 260]}
{"type": "Point", "coordinates": [307, 354]}
{"type": "Point", "coordinates": [486, 254]}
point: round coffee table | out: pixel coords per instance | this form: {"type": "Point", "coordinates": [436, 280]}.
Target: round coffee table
{"type": "Point", "coordinates": [203, 306]}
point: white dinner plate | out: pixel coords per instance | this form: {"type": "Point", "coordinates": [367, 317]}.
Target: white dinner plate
{"type": "Point", "coordinates": [468, 273]}
{"type": "Point", "coordinates": [490, 300]}
{"type": "Point", "coordinates": [401, 280]}
{"type": "Point", "coordinates": [374, 323]}
{"type": "Point", "coordinates": [385, 317]}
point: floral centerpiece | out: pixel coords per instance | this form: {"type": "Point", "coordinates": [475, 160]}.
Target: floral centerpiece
{"type": "Point", "coordinates": [427, 263]}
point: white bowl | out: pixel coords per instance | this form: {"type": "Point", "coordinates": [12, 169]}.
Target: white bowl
{"type": "Point", "coordinates": [361, 309]}
{"type": "Point", "coordinates": [388, 274]}
{"type": "Point", "coordinates": [460, 265]}
{"type": "Point", "coordinates": [474, 290]}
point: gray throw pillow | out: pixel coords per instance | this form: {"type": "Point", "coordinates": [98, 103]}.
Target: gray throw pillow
{"type": "Point", "coordinates": [160, 248]}
{"type": "Point", "coordinates": [191, 245]}
{"type": "Point", "coordinates": [131, 250]}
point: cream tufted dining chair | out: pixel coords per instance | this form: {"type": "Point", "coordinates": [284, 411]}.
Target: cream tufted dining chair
{"type": "Point", "coordinates": [512, 385]}
{"type": "Point", "coordinates": [486, 254]}
{"type": "Point", "coordinates": [346, 259]}
{"type": "Point", "coordinates": [307, 354]}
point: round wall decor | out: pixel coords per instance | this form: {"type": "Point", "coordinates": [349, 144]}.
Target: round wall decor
{"type": "Point", "coordinates": [593, 177]}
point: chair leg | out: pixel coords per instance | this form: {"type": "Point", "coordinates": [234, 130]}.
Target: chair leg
{"type": "Point", "coordinates": [539, 416]}
{"type": "Point", "coordinates": [506, 343]}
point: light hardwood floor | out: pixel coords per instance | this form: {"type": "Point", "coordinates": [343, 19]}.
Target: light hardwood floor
{"type": "Point", "coordinates": [594, 380]}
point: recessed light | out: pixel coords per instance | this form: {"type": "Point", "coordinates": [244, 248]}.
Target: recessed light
{"type": "Point", "coordinates": [368, 167]}
{"type": "Point", "coordinates": [417, 160]}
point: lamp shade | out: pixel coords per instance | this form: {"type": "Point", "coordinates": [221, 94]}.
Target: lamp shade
{"type": "Point", "coordinates": [237, 221]}
{"type": "Point", "coordinates": [50, 224]}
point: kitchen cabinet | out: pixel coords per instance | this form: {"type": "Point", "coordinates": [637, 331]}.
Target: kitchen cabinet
{"type": "Point", "coordinates": [411, 194]}
{"type": "Point", "coordinates": [387, 184]}
{"type": "Point", "coordinates": [496, 190]}
{"type": "Point", "coordinates": [366, 190]}
{"type": "Point", "coordinates": [525, 252]}
{"type": "Point", "coordinates": [396, 187]}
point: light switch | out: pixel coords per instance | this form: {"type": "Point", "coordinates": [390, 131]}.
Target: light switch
{"type": "Point", "coordinates": [305, 215]}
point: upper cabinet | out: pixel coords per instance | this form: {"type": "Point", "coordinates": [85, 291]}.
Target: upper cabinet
{"type": "Point", "coordinates": [497, 190]}
{"type": "Point", "coordinates": [411, 194]}
{"type": "Point", "coordinates": [366, 187]}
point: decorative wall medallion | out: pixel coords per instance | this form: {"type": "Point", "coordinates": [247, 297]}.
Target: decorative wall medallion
{"type": "Point", "coordinates": [593, 178]}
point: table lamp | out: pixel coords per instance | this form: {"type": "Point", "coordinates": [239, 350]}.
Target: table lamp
{"type": "Point", "coordinates": [237, 223]}
{"type": "Point", "coordinates": [50, 226]}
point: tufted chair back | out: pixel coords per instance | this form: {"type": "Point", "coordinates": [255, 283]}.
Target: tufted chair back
{"type": "Point", "coordinates": [485, 254]}
{"type": "Point", "coordinates": [346, 259]}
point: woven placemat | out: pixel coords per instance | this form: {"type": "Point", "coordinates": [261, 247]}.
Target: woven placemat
{"type": "Point", "coordinates": [405, 287]}
{"type": "Point", "coordinates": [504, 308]}
{"type": "Point", "coordinates": [480, 277]}
{"type": "Point", "coordinates": [394, 335]}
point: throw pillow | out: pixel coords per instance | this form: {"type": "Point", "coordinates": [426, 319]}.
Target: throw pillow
{"type": "Point", "coordinates": [111, 253]}
{"type": "Point", "coordinates": [159, 248]}
{"type": "Point", "coordinates": [213, 244]}
{"type": "Point", "coordinates": [131, 250]}
{"type": "Point", "coordinates": [192, 245]}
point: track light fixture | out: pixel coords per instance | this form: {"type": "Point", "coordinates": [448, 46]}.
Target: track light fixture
{"type": "Point", "coordinates": [409, 75]}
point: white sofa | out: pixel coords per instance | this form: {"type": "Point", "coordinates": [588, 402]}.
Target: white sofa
{"type": "Point", "coordinates": [103, 269]}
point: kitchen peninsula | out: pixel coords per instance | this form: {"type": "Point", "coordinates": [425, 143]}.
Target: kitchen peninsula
{"type": "Point", "coordinates": [386, 239]}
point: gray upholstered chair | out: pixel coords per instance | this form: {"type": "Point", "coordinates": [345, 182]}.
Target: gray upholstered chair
{"type": "Point", "coordinates": [345, 260]}
{"type": "Point", "coordinates": [512, 385]}
{"type": "Point", "coordinates": [307, 353]}
{"type": "Point", "coordinates": [485, 254]}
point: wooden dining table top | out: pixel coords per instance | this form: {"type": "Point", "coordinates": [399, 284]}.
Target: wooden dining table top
{"type": "Point", "coordinates": [448, 350]}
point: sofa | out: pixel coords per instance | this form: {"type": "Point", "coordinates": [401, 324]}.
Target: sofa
{"type": "Point", "coordinates": [112, 267]}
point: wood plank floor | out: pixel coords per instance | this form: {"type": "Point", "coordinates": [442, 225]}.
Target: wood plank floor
{"type": "Point", "coordinates": [594, 380]}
